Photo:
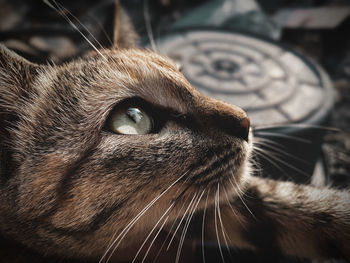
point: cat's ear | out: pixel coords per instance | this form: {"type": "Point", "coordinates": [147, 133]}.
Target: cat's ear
{"type": "Point", "coordinates": [124, 35]}
{"type": "Point", "coordinates": [16, 77]}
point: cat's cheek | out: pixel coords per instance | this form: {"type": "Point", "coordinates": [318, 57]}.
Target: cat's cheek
{"type": "Point", "coordinates": [39, 191]}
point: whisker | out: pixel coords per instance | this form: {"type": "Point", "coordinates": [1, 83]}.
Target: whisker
{"type": "Point", "coordinates": [148, 25]}
{"type": "Point", "coordinates": [182, 239]}
{"type": "Point", "coordinates": [298, 125]}
{"type": "Point", "coordinates": [177, 194]}
{"type": "Point", "coordinates": [256, 168]}
{"type": "Point", "coordinates": [276, 147]}
{"type": "Point", "coordinates": [294, 138]}
{"type": "Point", "coordinates": [216, 224]}
{"type": "Point", "coordinates": [177, 228]}
{"type": "Point", "coordinates": [77, 20]}
{"type": "Point", "coordinates": [59, 10]}
{"type": "Point", "coordinates": [203, 225]}
{"type": "Point", "coordinates": [237, 185]}
{"type": "Point", "coordinates": [233, 211]}
{"type": "Point", "coordinates": [263, 141]}
{"type": "Point", "coordinates": [98, 23]}
{"type": "Point", "coordinates": [150, 233]}
{"type": "Point", "coordinates": [155, 237]}
{"type": "Point", "coordinates": [171, 229]}
{"type": "Point", "coordinates": [261, 154]}
{"type": "Point", "coordinates": [281, 152]}
{"type": "Point", "coordinates": [289, 165]}
{"type": "Point", "coordinates": [122, 234]}
{"type": "Point", "coordinates": [224, 233]}
{"type": "Point", "coordinates": [240, 197]}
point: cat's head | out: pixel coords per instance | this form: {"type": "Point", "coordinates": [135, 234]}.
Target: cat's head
{"type": "Point", "coordinates": [87, 145]}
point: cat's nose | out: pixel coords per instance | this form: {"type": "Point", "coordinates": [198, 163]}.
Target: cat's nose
{"type": "Point", "coordinates": [237, 126]}
{"type": "Point", "coordinates": [235, 122]}
{"type": "Point", "coordinates": [243, 128]}
{"type": "Point", "coordinates": [225, 117]}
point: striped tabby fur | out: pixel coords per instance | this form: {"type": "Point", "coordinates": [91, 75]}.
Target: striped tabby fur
{"type": "Point", "coordinates": [68, 186]}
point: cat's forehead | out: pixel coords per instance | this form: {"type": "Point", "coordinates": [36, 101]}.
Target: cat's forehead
{"type": "Point", "coordinates": [129, 73]}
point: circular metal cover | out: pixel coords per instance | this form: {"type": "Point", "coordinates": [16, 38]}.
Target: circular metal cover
{"type": "Point", "coordinates": [271, 82]}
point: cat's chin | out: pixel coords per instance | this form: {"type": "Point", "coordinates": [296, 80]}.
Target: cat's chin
{"type": "Point", "coordinates": [234, 182]}
{"type": "Point", "coordinates": [230, 184]}
{"type": "Point", "coordinates": [236, 176]}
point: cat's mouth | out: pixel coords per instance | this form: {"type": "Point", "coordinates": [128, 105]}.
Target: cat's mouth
{"type": "Point", "coordinates": [223, 166]}
{"type": "Point", "coordinates": [220, 167]}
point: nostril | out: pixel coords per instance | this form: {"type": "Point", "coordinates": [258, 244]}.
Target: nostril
{"type": "Point", "coordinates": [226, 118]}
{"type": "Point", "coordinates": [244, 126]}
{"type": "Point", "coordinates": [235, 126]}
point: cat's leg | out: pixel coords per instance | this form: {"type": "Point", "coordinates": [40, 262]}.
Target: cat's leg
{"type": "Point", "coordinates": [286, 218]}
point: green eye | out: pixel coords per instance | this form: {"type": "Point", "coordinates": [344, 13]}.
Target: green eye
{"type": "Point", "coordinates": [131, 121]}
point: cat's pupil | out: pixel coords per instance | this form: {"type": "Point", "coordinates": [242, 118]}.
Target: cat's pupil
{"type": "Point", "coordinates": [130, 120]}
{"type": "Point", "coordinates": [134, 114]}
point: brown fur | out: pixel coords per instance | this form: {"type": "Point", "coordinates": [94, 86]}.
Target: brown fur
{"type": "Point", "coordinates": [61, 185]}
{"type": "Point", "coordinates": [290, 219]}
{"type": "Point", "coordinates": [68, 184]}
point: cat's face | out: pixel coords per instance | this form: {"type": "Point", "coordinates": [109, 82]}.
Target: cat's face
{"type": "Point", "coordinates": [76, 177]}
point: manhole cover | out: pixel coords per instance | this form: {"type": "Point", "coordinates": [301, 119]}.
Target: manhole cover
{"type": "Point", "coordinates": [278, 88]}
{"type": "Point", "coordinates": [270, 82]}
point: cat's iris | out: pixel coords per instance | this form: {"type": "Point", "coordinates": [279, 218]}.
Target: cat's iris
{"type": "Point", "coordinates": [131, 121]}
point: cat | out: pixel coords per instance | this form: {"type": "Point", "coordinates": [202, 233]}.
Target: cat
{"type": "Point", "coordinates": [101, 155]}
